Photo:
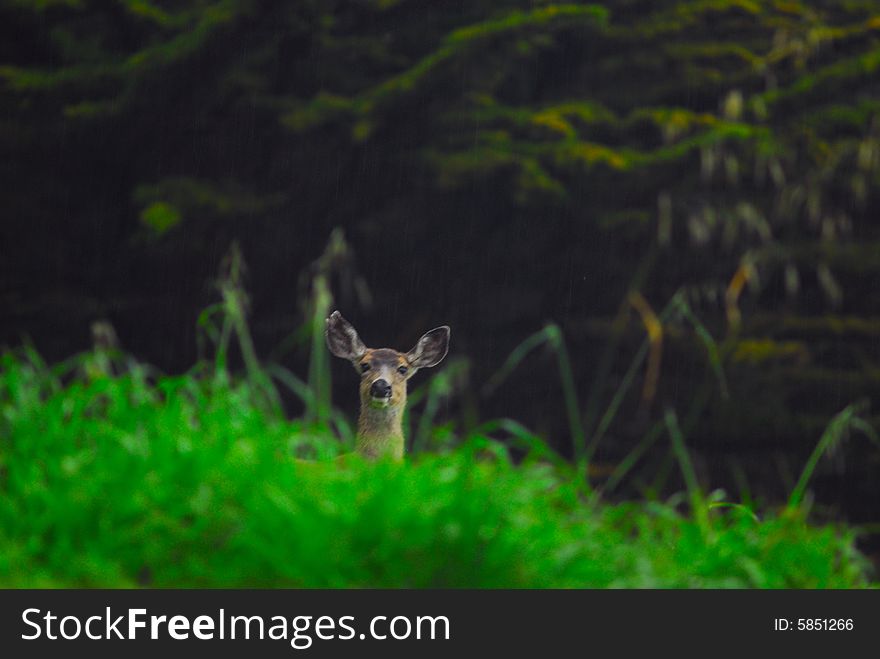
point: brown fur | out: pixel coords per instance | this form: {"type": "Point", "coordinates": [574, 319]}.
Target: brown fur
{"type": "Point", "coordinates": [380, 425]}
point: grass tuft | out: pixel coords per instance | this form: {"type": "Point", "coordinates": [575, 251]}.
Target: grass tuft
{"type": "Point", "coordinates": [126, 479]}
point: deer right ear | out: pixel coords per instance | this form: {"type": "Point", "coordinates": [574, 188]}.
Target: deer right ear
{"type": "Point", "coordinates": [342, 338]}
{"type": "Point", "coordinates": [431, 348]}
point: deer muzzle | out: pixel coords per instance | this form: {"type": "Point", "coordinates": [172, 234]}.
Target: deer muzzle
{"type": "Point", "coordinates": [380, 389]}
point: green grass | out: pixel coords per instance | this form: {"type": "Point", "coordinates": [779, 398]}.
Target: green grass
{"type": "Point", "coordinates": [190, 481]}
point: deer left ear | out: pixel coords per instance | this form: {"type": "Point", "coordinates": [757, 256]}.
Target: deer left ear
{"type": "Point", "coordinates": [431, 348]}
{"type": "Point", "coordinates": [342, 338]}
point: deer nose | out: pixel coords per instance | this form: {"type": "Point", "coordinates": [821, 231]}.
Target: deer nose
{"type": "Point", "coordinates": [380, 389]}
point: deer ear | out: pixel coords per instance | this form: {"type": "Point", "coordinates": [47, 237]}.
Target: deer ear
{"type": "Point", "coordinates": [431, 348]}
{"type": "Point", "coordinates": [342, 338]}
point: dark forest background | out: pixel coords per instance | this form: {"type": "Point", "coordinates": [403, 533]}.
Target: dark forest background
{"type": "Point", "coordinates": [495, 166]}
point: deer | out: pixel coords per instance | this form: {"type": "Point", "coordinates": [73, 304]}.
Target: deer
{"type": "Point", "coordinates": [384, 374]}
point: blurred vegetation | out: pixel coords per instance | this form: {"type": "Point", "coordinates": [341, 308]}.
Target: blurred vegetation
{"type": "Point", "coordinates": [112, 475]}
{"type": "Point", "coordinates": [702, 174]}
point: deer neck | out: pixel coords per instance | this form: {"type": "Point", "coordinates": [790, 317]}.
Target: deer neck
{"type": "Point", "coordinates": [380, 431]}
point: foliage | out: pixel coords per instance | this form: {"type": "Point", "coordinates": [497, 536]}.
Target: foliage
{"type": "Point", "coordinates": [137, 479]}
{"type": "Point", "coordinates": [499, 166]}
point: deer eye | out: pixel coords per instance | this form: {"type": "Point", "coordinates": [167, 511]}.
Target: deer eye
{"type": "Point", "coordinates": [365, 367]}
{"type": "Point", "coordinates": [402, 370]}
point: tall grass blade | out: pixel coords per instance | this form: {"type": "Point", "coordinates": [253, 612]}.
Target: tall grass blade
{"type": "Point", "coordinates": [513, 360]}
{"type": "Point", "coordinates": [439, 388]}
{"type": "Point", "coordinates": [632, 458]}
{"type": "Point", "coordinates": [625, 384]}
{"type": "Point", "coordinates": [551, 335]}
{"type": "Point", "coordinates": [319, 362]}
{"type": "Point", "coordinates": [835, 432]}
{"type": "Point", "coordinates": [525, 439]}
{"type": "Point", "coordinates": [235, 303]}
{"type": "Point", "coordinates": [572, 408]}
{"type": "Point", "coordinates": [603, 370]}
{"type": "Point", "coordinates": [710, 343]}
{"type": "Point", "coordinates": [301, 390]}
{"type": "Point", "coordinates": [698, 503]}
{"type": "Point", "coordinates": [654, 330]}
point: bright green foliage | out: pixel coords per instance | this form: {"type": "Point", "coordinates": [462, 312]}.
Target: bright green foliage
{"type": "Point", "coordinates": [722, 153]}
{"type": "Point", "coordinates": [126, 480]}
